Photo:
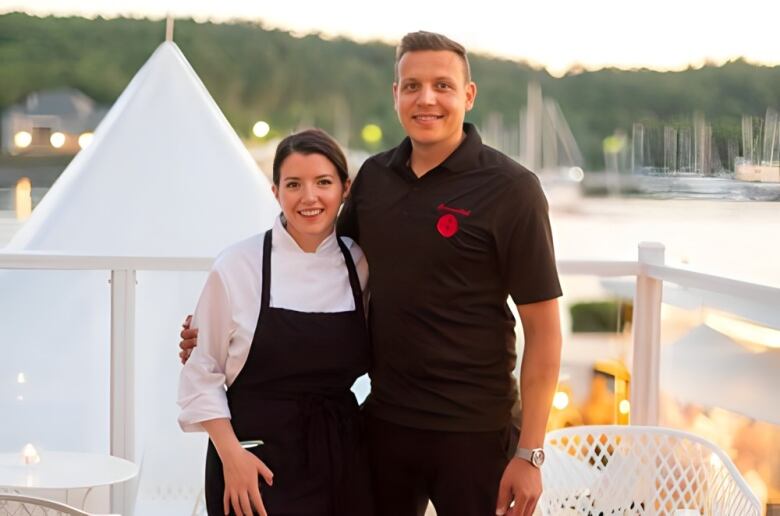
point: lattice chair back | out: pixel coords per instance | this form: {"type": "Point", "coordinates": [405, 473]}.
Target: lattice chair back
{"type": "Point", "coordinates": [642, 471]}
{"type": "Point", "coordinates": [20, 505]}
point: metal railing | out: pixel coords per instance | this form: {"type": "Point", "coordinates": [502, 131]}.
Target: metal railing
{"type": "Point", "coordinates": [649, 270]}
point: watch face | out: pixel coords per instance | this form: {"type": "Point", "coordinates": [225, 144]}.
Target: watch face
{"type": "Point", "coordinates": [537, 458]}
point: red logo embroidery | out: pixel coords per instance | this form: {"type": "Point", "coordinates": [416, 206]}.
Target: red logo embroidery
{"type": "Point", "coordinates": [447, 224]}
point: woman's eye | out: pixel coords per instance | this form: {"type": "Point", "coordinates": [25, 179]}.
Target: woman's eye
{"type": "Point", "coordinates": [292, 184]}
{"type": "Point", "coordinates": [325, 182]}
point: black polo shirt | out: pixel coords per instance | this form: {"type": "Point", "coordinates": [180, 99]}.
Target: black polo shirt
{"type": "Point", "coordinates": [444, 252]}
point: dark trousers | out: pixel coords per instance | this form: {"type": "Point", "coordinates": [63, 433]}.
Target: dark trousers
{"type": "Point", "coordinates": [458, 471]}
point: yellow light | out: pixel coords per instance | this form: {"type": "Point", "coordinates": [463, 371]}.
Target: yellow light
{"type": "Point", "coordinates": [743, 330]}
{"type": "Point", "coordinates": [85, 139]}
{"type": "Point", "coordinates": [23, 199]}
{"type": "Point", "coordinates": [22, 139]}
{"type": "Point", "coordinates": [624, 407]}
{"type": "Point", "coordinates": [371, 133]}
{"type": "Point", "coordinates": [20, 378]}
{"type": "Point", "coordinates": [560, 400]}
{"type": "Point", "coordinates": [261, 129]}
{"type": "Point", "coordinates": [57, 140]}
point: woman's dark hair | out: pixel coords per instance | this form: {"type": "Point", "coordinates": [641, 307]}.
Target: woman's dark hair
{"type": "Point", "coordinates": [310, 141]}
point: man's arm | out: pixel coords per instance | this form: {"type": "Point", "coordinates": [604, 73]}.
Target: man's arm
{"type": "Point", "coordinates": [522, 482]}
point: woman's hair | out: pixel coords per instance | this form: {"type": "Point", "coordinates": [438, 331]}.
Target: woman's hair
{"type": "Point", "coordinates": [310, 141]}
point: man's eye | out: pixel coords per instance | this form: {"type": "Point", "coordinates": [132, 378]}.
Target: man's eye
{"type": "Point", "coordinates": [410, 87]}
{"type": "Point", "coordinates": [443, 86]}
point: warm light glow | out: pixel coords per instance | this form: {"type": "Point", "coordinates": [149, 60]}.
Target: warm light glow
{"type": "Point", "coordinates": [715, 461]}
{"type": "Point", "coordinates": [261, 129]}
{"type": "Point", "coordinates": [57, 140]}
{"type": "Point", "coordinates": [30, 454]}
{"type": "Point", "coordinates": [23, 199]}
{"type": "Point", "coordinates": [85, 139]}
{"type": "Point", "coordinates": [624, 407]}
{"type": "Point", "coordinates": [20, 378]}
{"type": "Point", "coordinates": [22, 139]}
{"type": "Point", "coordinates": [371, 133]}
{"type": "Point", "coordinates": [757, 485]}
{"type": "Point", "coordinates": [743, 330]}
{"type": "Point", "coordinates": [560, 400]}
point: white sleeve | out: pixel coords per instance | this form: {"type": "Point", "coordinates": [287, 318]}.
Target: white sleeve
{"type": "Point", "coordinates": [202, 380]}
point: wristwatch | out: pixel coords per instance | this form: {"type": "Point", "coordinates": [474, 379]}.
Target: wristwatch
{"type": "Point", "coordinates": [535, 456]}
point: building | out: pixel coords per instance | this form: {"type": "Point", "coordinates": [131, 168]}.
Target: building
{"type": "Point", "coordinates": [51, 122]}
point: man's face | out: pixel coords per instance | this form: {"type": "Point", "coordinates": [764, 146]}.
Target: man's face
{"type": "Point", "coordinates": [432, 96]}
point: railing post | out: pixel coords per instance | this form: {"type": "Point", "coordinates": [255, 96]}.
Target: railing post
{"type": "Point", "coordinates": [123, 381]}
{"type": "Point", "coordinates": [647, 338]}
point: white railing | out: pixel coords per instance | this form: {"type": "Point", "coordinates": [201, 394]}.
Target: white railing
{"type": "Point", "coordinates": [650, 272]}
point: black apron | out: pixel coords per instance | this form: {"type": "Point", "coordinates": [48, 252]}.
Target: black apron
{"type": "Point", "coordinates": [294, 394]}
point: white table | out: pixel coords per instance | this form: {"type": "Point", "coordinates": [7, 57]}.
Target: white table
{"type": "Point", "coordinates": [64, 470]}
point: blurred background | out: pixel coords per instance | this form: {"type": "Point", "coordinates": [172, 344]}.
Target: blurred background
{"type": "Point", "coordinates": [645, 122]}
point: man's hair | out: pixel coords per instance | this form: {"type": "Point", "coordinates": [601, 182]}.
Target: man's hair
{"type": "Point", "coordinates": [423, 40]}
{"type": "Point", "coordinates": [310, 141]}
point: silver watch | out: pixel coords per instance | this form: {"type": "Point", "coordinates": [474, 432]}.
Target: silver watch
{"type": "Point", "coordinates": [535, 456]}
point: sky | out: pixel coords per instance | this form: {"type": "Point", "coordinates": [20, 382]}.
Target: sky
{"type": "Point", "coordinates": [555, 34]}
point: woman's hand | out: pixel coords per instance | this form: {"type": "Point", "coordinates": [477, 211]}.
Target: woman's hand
{"type": "Point", "coordinates": [242, 490]}
{"type": "Point", "coordinates": [240, 468]}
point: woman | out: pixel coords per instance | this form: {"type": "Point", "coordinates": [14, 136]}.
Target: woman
{"type": "Point", "coordinates": [284, 435]}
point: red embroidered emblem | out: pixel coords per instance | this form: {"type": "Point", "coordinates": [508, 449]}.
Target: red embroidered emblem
{"type": "Point", "coordinates": [447, 224]}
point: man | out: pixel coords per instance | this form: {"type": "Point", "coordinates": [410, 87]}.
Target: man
{"type": "Point", "coordinates": [451, 228]}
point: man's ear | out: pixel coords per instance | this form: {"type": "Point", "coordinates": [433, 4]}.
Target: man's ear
{"type": "Point", "coordinates": [471, 95]}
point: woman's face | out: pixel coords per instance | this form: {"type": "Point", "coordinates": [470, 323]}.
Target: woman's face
{"type": "Point", "coordinates": [310, 194]}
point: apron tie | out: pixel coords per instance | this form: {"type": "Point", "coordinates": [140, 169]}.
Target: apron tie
{"type": "Point", "coordinates": [328, 424]}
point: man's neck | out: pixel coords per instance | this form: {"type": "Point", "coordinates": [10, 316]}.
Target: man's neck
{"type": "Point", "coordinates": [426, 157]}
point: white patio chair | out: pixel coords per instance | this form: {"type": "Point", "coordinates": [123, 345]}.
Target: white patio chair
{"type": "Point", "coordinates": [642, 471]}
{"type": "Point", "coordinates": [21, 505]}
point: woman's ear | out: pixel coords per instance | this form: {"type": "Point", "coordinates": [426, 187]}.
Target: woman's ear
{"type": "Point", "coordinates": [275, 191]}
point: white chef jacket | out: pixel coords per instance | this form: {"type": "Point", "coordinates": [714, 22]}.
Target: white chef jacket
{"type": "Point", "coordinates": [227, 311]}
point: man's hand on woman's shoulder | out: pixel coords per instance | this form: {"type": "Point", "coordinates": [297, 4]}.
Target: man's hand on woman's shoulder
{"type": "Point", "coordinates": [189, 339]}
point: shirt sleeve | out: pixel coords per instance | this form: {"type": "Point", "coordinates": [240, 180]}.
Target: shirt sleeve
{"type": "Point", "coordinates": [525, 244]}
{"type": "Point", "coordinates": [202, 380]}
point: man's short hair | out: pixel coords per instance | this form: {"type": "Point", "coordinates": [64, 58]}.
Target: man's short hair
{"type": "Point", "coordinates": [423, 40]}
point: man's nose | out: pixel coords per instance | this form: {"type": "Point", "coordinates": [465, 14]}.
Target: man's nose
{"type": "Point", "coordinates": [427, 96]}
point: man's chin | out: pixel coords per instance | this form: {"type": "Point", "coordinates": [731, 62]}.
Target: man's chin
{"type": "Point", "coordinates": [426, 137]}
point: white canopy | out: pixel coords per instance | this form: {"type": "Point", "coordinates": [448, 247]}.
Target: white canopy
{"type": "Point", "coordinates": [710, 369]}
{"type": "Point", "coordinates": [164, 176]}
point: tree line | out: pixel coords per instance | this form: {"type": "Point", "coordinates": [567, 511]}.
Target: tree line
{"type": "Point", "coordinates": [340, 85]}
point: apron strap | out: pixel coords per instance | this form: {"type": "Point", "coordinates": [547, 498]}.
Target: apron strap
{"type": "Point", "coordinates": [265, 298]}
{"type": "Point", "coordinates": [354, 281]}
